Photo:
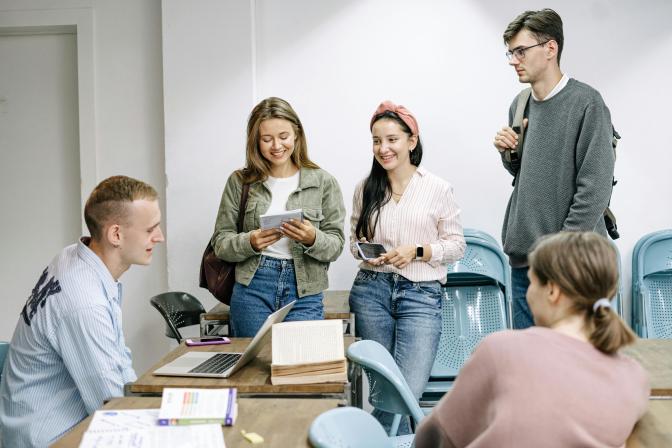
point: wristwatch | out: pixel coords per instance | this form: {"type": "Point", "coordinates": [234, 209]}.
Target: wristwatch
{"type": "Point", "coordinates": [419, 252]}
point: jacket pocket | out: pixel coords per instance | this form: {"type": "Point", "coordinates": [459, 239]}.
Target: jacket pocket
{"type": "Point", "coordinates": [250, 221]}
{"type": "Point", "coordinates": [314, 215]}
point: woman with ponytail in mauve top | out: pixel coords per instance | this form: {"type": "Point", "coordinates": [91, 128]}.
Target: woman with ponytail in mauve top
{"type": "Point", "coordinates": [562, 383]}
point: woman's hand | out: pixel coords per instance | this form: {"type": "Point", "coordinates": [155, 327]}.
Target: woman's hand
{"type": "Point", "coordinates": [400, 256]}
{"type": "Point", "coordinates": [301, 231]}
{"type": "Point", "coordinates": [261, 239]}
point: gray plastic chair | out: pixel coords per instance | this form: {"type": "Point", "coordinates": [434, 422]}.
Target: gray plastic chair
{"type": "Point", "coordinates": [652, 286]}
{"type": "Point", "coordinates": [476, 302]}
{"type": "Point", "coordinates": [179, 309]}
{"type": "Point", "coordinates": [348, 427]}
{"type": "Point", "coordinates": [388, 389]}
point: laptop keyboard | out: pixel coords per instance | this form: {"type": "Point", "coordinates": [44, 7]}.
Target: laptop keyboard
{"type": "Point", "coordinates": [219, 363]}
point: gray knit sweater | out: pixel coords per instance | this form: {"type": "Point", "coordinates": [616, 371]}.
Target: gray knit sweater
{"type": "Point", "coordinates": [564, 182]}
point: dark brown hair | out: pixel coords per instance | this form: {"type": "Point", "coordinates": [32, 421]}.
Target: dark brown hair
{"type": "Point", "coordinates": [110, 199]}
{"type": "Point", "coordinates": [544, 25]}
{"type": "Point", "coordinates": [256, 166]}
{"type": "Point", "coordinates": [584, 265]}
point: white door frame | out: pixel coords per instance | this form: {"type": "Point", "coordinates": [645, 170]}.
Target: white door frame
{"type": "Point", "coordinates": [80, 21]}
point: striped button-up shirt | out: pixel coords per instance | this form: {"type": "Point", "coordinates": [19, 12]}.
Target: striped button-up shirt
{"type": "Point", "coordinates": [68, 352]}
{"type": "Point", "coordinates": [425, 214]}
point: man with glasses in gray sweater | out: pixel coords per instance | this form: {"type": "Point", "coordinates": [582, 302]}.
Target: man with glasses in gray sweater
{"type": "Point", "coordinates": [563, 179]}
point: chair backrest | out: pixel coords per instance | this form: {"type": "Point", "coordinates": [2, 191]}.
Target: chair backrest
{"type": "Point", "coordinates": [179, 309]}
{"type": "Point", "coordinates": [347, 427]}
{"type": "Point", "coordinates": [388, 389]}
{"type": "Point", "coordinates": [652, 285]}
{"type": "Point", "coordinates": [474, 304]}
{"type": "Point", "coordinates": [4, 348]}
{"type": "Point", "coordinates": [483, 263]}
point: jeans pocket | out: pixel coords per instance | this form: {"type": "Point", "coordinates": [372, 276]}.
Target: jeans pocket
{"type": "Point", "coordinates": [426, 293]}
{"type": "Point", "coordinates": [365, 275]}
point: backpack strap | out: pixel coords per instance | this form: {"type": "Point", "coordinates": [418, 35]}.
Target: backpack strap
{"type": "Point", "coordinates": [241, 210]}
{"type": "Point", "coordinates": [515, 155]}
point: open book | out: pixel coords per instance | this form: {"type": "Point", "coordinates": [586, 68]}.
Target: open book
{"type": "Point", "coordinates": [306, 352]}
{"type": "Point", "coordinates": [198, 406]}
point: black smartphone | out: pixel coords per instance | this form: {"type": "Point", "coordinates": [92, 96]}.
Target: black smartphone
{"type": "Point", "coordinates": [369, 251]}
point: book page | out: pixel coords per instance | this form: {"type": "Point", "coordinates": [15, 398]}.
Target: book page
{"type": "Point", "coordinates": [307, 342]}
{"type": "Point", "coordinates": [196, 403]}
{"type": "Point", "coordinates": [275, 221]}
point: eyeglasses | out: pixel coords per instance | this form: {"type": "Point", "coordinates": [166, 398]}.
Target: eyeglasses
{"type": "Point", "coordinates": [519, 52]}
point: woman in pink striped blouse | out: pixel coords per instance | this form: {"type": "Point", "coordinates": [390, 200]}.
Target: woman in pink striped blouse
{"type": "Point", "coordinates": [396, 297]}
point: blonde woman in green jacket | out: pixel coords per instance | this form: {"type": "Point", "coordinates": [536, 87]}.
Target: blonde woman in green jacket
{"type": "Point", "coordinates": [277, 266]}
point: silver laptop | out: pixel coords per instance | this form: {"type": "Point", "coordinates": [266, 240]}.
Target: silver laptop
{"type": "Point", "coordinates": [222, 365]}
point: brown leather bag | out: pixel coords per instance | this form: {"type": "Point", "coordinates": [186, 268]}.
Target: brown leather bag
{"type": "Point", "coordinates": [219, 276]}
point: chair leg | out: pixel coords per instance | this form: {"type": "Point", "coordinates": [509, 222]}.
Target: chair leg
{"type": "Point", "coordinates": [395, 425]}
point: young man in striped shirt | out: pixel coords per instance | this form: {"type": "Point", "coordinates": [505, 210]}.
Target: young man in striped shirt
{"type": "Point", "coordinates": [68, 352]}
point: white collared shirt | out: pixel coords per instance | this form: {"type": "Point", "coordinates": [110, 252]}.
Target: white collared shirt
{"type": "Point", "coordinates": [426, 214]}
{"type": "Point", "coordinates": [558, 87]}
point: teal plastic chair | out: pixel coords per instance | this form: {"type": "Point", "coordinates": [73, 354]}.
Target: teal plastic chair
{"type": "Point", "coordinates": [179, 309]}
{"type": "Point", "coordinates": [348, 427]}
{"type": "Point", "coordinates": [4, 348]}
{"type": "Point", "coordinates": [476, 302]}
{"type": "Point", "coordinates": [652, 286]}
{"type": "Point", "coordinates": [388, 389]}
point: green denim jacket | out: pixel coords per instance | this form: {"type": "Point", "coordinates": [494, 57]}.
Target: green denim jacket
{"type": "Point", "coordinates": [322, 202]}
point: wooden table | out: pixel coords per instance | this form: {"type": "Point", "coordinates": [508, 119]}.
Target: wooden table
{"type": "Point", "coordinates": [655, 355]}
{"type": "Point", "coordinates": [254, 379]}
{"type": "Point", "coordinates": [268, 417]}
{"type": "Point", "coordinates": [655, 428]}
{"type": "Point", "coordinates": [336, 306]}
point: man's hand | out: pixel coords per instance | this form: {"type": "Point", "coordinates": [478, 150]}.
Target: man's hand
{"type": "Point", "coordinates": [400, 257]}
{"type": "Point", "coordinates": [507, 139]}
{"type": "Point", "coordinates": [261, 239]}
{"type": "Point", "coordinates": [301, 231]}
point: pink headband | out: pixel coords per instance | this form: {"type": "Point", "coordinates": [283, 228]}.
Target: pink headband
{"type": "Point", "coordinates": [403, 113]}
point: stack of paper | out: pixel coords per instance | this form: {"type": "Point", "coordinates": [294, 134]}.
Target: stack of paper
{"type": "Point", "coordinates": [197, 406]}
{"type": "Point", "coordinates": [306, 352]}
{"type": "Point", "coordinates": [138, 428]}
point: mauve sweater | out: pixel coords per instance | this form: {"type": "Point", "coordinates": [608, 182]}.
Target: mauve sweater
{"type": "Point", "coordinates": [539, 388]}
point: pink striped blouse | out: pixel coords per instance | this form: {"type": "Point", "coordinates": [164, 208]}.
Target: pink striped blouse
{"type": "Point", "coordinates": [426, 214]}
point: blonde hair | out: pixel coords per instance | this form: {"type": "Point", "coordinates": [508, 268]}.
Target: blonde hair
{"type": "Point", "coordinates": [584, 265]}
{"type": "Point", "coordinates": [109, 201]}
{"type": "Point", "coordinates": [256, 166]}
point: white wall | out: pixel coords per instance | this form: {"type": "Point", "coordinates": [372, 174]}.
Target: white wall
{"type": "Point", "coordinates": [128, 136]}
{"type": "Point", "coordinates": [336, 60]}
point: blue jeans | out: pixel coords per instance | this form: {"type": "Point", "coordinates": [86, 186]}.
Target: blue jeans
{"type": "Point", "coordinates": [405, 318]}
{"type": "Point", "coordinates": [272, 287]}
{"type": "Point", "coordinates": [522, 316]}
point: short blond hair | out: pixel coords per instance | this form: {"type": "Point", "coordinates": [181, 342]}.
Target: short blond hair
{"type": "Point", "coordinates": [584, 265]}
{"type": "Point", "coordinates": [110, 199]}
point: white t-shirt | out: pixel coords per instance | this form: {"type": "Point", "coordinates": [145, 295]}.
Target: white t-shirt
{"type": "Point", "coordinates": [281, 188]}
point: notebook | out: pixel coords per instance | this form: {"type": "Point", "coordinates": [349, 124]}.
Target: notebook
{"type": "Point", "coordinates": [222, 365]}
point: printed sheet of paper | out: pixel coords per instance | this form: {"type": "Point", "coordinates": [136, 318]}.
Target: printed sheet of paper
{"type": "Point", "coordinates": [123, 420]}
{"type": "Point", "coordinates": [196, 436]}
{"type": "Point", "coordinates": [301, 342]}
